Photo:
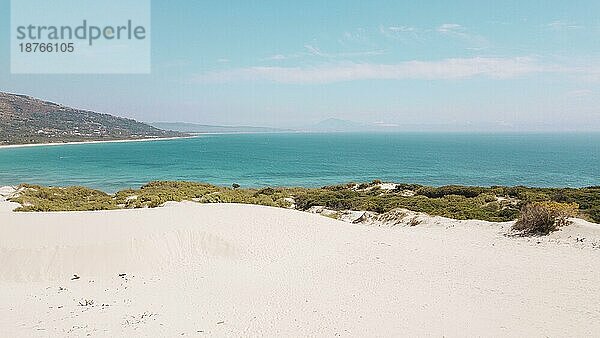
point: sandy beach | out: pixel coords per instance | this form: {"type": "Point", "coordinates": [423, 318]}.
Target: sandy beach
{"type": "Point", "coordinates": [243, 270]}
{"type": "Point", "coordinates": [8, 146]}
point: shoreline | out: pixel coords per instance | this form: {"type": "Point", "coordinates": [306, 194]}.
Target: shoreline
{"type": "Point", "coordinates": [192, 135]}
{"type": "Point", "coordinates": [28, 145]}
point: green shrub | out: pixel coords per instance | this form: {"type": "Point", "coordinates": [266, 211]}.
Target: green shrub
{"type": "Point", "coordinates": [594, 214]}
{"type": "Point", "coordinates": [345, 186]}
{"type": "Point", "coordinates": [459, 202]}
{"type": "Point", "coordinates": [487, 197]}
{"type": "Point", "coordinates": [363, 186]}
{"type": "Point", "coordinates": [266, 191]}
{"type": "Point", "coordinates": [404, 186]}
{"type": "Point", "coordinates": [37, 198]}
{"type": "Point", "coordinates": [541, 218]}
{"type": "Point", "coordinates": [434, 192]}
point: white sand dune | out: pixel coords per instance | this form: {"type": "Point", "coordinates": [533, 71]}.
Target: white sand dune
{"type": "Point", "coordinates": [226, 269]}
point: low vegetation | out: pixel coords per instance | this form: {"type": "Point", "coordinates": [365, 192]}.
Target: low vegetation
{"type": "Point", "coordinates": [155, 194]}
{"type": "Point", "coordinates": [36, 198]}
{"type": "Point", "coordinates": [459, 202]}
{"type": "Point", "coordinates": [541, 218]}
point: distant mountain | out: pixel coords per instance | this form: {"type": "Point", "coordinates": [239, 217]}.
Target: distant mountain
{"type": "Point", "coordinates": [336, 125]}
{"type": "Point", "coordinates": [203, 128]}
{"type": "Point", "coordinates": [24, 119]}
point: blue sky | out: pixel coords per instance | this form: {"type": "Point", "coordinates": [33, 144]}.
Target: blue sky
{"type": "Point", "coordinates": [513, 65]}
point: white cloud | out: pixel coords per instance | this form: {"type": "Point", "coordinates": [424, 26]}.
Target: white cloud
{"type": "Point", "coordinates": [357, 36]}
{"type": "Point", "coordinates": [459, 32]}
{"type": "Point", "coordinates": [451, 28]}
{"type": "Point", "coordinates": [315, 51]}
{"type": "Point", "coordinates": [405, 29]}
{"type": "Point", "coordinates": [459, 68]}
{"type": "Point", "coordinates": [312, 50]}
{"type": "Point", "coordinates": [277, 57]}
{"type": "Point", "coordinates": [578, 93]}
{"type": "Point", "coordinates": [560, 25]}
{"type": "Point", "coordinates": [400, 32]}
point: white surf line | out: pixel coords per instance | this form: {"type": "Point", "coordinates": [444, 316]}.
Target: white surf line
{"type": "Point", "coordinates": [93, 142]}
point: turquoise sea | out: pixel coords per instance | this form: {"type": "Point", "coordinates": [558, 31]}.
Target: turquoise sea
{"type": "Point", "coordinates": [298, 159]}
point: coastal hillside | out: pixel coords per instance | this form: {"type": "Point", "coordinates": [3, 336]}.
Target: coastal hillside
{"type": "Point", "coordinates": [24, 119]}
